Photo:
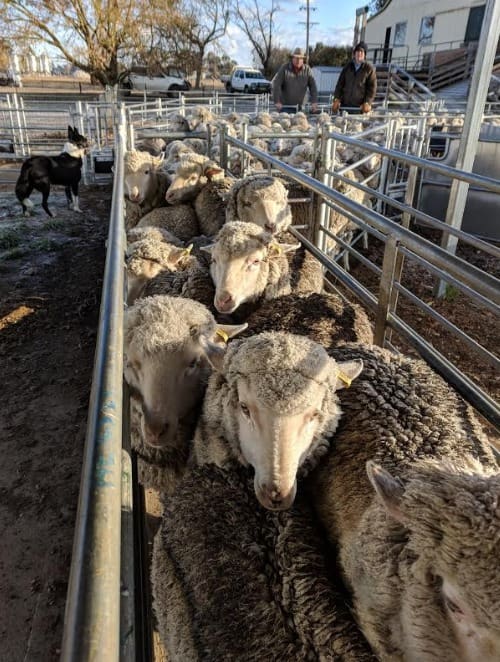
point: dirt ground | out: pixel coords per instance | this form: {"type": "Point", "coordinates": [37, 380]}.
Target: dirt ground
{"type": "Point", "coordinates": [50, 285]}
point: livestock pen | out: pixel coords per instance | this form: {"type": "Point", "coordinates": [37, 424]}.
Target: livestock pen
{"type": "Point", "coordinates": [108, 598]}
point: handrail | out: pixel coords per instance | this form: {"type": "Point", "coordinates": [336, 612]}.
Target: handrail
{"type": "Point", "coordinates": [92, 617]}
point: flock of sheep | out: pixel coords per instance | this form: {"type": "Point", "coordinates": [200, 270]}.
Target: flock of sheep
{"type": "Point", "coordinates": [323, 499]}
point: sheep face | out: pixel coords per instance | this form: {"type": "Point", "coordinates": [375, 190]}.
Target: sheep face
{"type": "Point", "coordinates": [165, 365]}
{"type": "Point", "coordinates": [452, 522]}
{"type": "Point", "coordinates": [146, 259]}
{"type": "Point", "coordinates": [192, 174]}
{"type": "Point", "coordinates": [240, 264]}
{"type": "Point", "coordinates": [140, 184]}
{"type": "Point", "coordinates": [266, 204]}
{"type": "Point", "coordinates": [281, 407]}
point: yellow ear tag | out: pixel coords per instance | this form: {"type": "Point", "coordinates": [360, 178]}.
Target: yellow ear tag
{"type": "Point", "coordinates": [187, 251]}
{"type": "Point", "coordinates": [222, 334]}
{"type": "Point", "coordinates": [344, 378]}
{"type": "Point", "coordinates": [276, 247]}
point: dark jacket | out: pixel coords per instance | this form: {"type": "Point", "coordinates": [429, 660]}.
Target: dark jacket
{"type": "Point", "coordinates": [356, 87]}
{"type": "Point", "coordinates": [289, 88]}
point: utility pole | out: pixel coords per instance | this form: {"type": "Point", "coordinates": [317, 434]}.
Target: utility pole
{"type": "Point", "coordinates": [307, 23]}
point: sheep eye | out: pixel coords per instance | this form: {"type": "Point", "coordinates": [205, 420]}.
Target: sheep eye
{"type": "Point", "coordinates": [193, 363]}
{"type": "Point", "coordinates": [254, 263]}
{"type": "Point", "coordinates": [244, 408]}
{"type": "Point", "coordinates": [452, 606]}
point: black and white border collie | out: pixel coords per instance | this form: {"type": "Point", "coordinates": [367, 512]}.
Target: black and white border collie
{"type": "Point", "coordinates": [39, 172]}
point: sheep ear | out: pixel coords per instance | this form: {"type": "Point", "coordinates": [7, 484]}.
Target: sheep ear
{"type": "Point", "coordinates": [389, 490]}
{"type": "Point", "coordinates": [214, 352]}
{"type": "Point", "coordinates": [213, 173]}
{"type": "Point", "coordinates": [178, 255]}
{"type": "Point", "coordinates": [224, 332]}
{"type": "Point", "coordinates": [348, 371]}
{"type": "Point", "coordinates": [207, 249]}
{"type": "Point", "coordinates": [157, 160]}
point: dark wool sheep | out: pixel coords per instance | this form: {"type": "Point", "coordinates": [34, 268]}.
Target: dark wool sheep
{"type": "Point", "coordinates": [210, 205]}
{"type": "Point", "coordinates": [423, 564]}
{"type": "Point", "coordinates": [325, 318]}
{"type": "Point", "coordinates": [251, 585]}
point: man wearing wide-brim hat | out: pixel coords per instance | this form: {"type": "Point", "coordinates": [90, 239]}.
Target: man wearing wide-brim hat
{"type": "Point", "coordinates": [357, 84]}
{"type": "Point", "coordinates": [291, 83]}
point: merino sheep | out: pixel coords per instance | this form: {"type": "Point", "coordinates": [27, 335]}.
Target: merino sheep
{"type": "Point", "coordinates": [260, 199]}
{"type": "Point", "coordinates": [420, 557]}
{"type": "Point", "coordinates": [247, 265]}
{"type": "Point", "coordinates": [180, 220]}
{"type": "Point", "coordinates": [165, 340]}
{"type": "Point", "coordinates": [146, 259]}
{"type": "Point", "coordinates": [246, 570]}
{"type": "Point", "coordinates": [210, 205]}
{"type": "Point", "coordinates": [152, 233]}
{"type": "Point", "coordinates": [145, 184]}
{"type": "Point", "coordinates": [273, 406]}
{"type": "Point", "coordinates": [325, 318]}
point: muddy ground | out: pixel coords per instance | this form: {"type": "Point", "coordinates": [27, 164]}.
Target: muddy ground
{"type": "Point", "coordinates": [50, 285]}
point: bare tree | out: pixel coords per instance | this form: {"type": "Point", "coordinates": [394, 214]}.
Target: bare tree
{"type": "Point", "coordinates": [94, 36]}
{"type": "Point", "coordinates": [259, 25]}
{"type": "Point", "coordinates": [195, 25]}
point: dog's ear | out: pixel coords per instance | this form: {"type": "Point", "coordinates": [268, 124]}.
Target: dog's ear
{"type": "Point", "coordinates": [70, 132]}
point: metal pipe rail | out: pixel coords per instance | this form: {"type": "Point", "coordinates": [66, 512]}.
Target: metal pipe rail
{"type": "Point", "coordinates": [92, 618]}
{"type": "Point", "coordinates": [453, 268]}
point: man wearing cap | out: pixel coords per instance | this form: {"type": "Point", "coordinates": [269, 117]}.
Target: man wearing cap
{"type": "Point", "coordinates": [357, 83]}
{"type": "Point", "coordinates": [291, 82]}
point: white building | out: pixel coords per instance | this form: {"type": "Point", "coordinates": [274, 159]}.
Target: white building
{"type": "Point", "coordinates": [411, 33]}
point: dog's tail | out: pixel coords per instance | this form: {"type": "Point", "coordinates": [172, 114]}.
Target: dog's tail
{"type": "Point", "coordinates": [23, 185]}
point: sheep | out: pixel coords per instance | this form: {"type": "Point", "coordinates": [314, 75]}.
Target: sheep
{"type": "Point", "coordinates": [154, 146]}
{"type": "Point", "coordinates": [181, 220]}
{"type": "Point", "coordinates": [248, 265]}
{"type": "Point", "coordinates": [190, 280]}
{"type": "Point", "coordinates": [152, 233]}
{"type": "Point", "coordinates": [146, 259]}
{"type": "Point", "coordinates": [326, 318]}
{"type": "Point", "coordinates": [194, 174]}
{"type": "Point", "coordinates": [246, 570]}
{"type": "Point", "coordinates": [420, 557]}
{"type": "Point", "coordinates": [271, 405]}
{"type": "Point", "coordinates": [145, 185]}
{"type": "Point", "coordinates": [166, 369]}
{"type": "Point", "coordinates": [260, 199]}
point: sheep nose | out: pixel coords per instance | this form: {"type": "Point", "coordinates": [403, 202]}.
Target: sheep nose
{"type": "Point", "coordinates": [223, 301]}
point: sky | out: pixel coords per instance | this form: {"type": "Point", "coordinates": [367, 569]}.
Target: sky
{"type": "Point", "coordinates": [330, 21]}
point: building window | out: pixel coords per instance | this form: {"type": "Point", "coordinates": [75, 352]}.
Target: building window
{"type": "Point", "coordinates": [474, 24]}
{"type": "Point", "coordinates": [426, 30]}
{"type": "Point", "coordinates": [400, 34]}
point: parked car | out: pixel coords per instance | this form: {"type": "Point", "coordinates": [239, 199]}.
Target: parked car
{"type": "Point", "coordinates": [248, 80]}
{"type": "Point", "coordinates": [170, 80]}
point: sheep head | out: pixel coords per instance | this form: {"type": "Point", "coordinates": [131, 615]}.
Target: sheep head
{"type": "Point", "coordinates": [280, 407]}
{"type": "Point", "coordinates": [193, 173]}
{"type": "Point", "coordinates": [240, 263]}
{"type": "Point", "coordinates": [140, 180]}
{"type": "Point", "coordinates": [165, 365]}
{"type": "Point", "coordinates": [262, 200]}
{"type": "Point", "coordinates": [452, 521]}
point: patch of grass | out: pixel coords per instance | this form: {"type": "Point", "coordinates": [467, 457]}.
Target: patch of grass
{"type": "Point", "coordinates": [54, 224]}
{"type": "Point", "coordinates": [450, 293]}
{"type": "Point", "coordinates": [44, 245]}
{"type": "Point", "coordinates": [10, 238]}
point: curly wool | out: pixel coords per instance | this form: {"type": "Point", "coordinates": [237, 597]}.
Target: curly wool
{"type": "Point", "coordinates": [210, 205]}
{"type": "Point", "coordinates": [135, 159]}
{"type": "Point", "coordinates": [325, 318]}
{"type": "Point", "coordinates": [238, 238]}
{"type": "Point", "coordinates": [191, 282]}
{"type": "Point", "coordinates": [153, 233]}
{"type": "Point", "coordinates": [154, 323]}
{"type": "Point", "coordinates": [246, 570]}
{"type": "Point", "coordinates": [179, 219]}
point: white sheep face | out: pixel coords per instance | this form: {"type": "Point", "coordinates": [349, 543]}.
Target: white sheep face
{"type": "Point", "coordinates": [270, 212]}
{"type": "Point", "coordinates": [139, 184]}
{"type": "Point", "coordinates": [168, 384]}
{"type": "Point", "coordinates": [186, 185]}
{"type": "Point", "coordinates": [276, 443]}
{"type": "Point", "coordinates": [238, 278]}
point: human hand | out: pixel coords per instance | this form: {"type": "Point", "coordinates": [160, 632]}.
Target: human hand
{"type": "Point", "coordinates": [335, 105]}
{"type": "Point", "coordinates": [314, 107]}
{"type": "Point", "coordinates": [365, 107]}
{"type": "Point", "coordinates": [279, 106]}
